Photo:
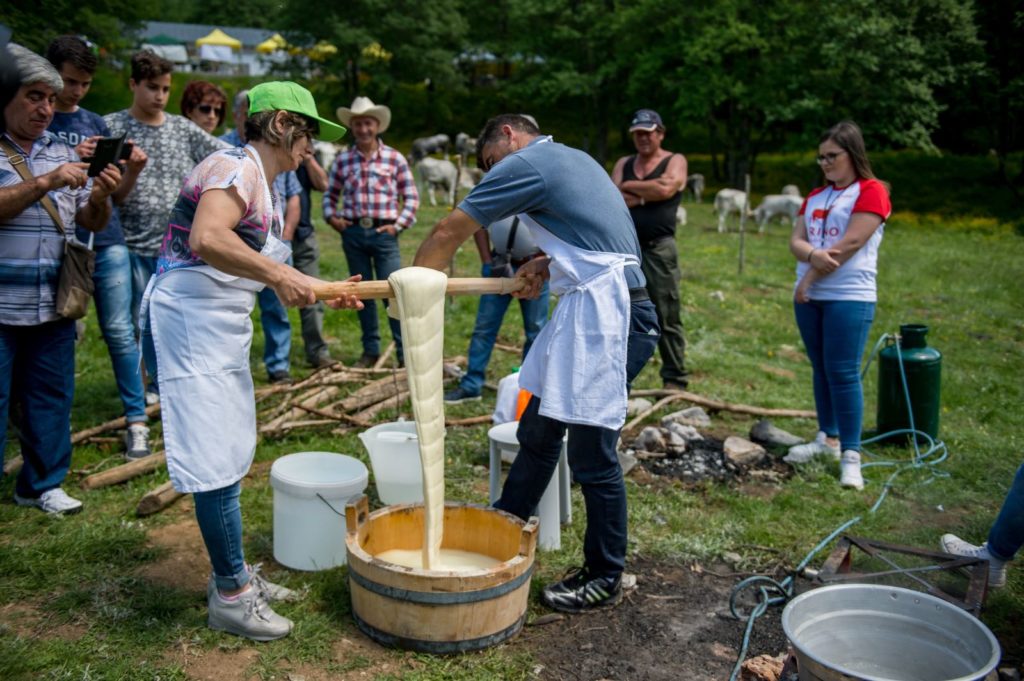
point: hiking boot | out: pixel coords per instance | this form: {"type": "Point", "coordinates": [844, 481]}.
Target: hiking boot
{"type": "Point", "coordinates": [953, 544]}
{"type": "Point", "coordinates": [55, 501]}
{"type": "Point", "coordinates": [248, 614]}
{"type": "Point", "coordinates": [677, 386]}
{"type": "Point", "coordinates": [806, 452]}
{"type": "Point", "coordinates": [281, 377]}
{"type": "Point", "coordinates": [323, 361]}
{"type": "Point", "coordinates": [460, 395]}
{"type": "Point", "coordinates": [849, 470]}
{"type": "Point", "coordinates": [366, 361]}
{"type": "Point", "coordinates": [580, 592]}
{"type": "Point", "coordinates": [136, 441]}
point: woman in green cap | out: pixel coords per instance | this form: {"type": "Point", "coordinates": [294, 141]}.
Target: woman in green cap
{"type": "Point", "coordinates": [223, 244]}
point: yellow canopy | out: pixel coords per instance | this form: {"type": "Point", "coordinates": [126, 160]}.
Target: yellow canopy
{"type": "Point", "coordinates": [272, 44]}
{"type": "Point", "coordinates": [219, 37]}
{"type": "Point", "coordinates": [321, 51]}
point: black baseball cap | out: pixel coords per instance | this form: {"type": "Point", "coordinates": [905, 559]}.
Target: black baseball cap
{"type": "Point", "coordinates": [646, 119]}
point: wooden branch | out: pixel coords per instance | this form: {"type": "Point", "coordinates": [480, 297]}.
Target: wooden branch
{"type": "Point", "coordinates": [116, 424]}
{"type": "Point", "coordinates": [157, 499]}
{"type": "Point", "coordinates": [372, 290]}
{"type": "Point", "coordinates": [392, 402]}
{"type": "Point", "coordinates": [13, 465]}
{"type": "Point", "coordinates": [125, 471]}
{"type": "Point", "coordinates": [511, 349]}
{"type": "Point", "coordinates": [650, 410]}
{"type": "Point", "coordinates": [315, 397]}
{"type": "Point", "coordinates": [291, 425]}
{"type": "Point", "coordinates": [711, 403]}
{"type": "Point", "coordinates": [383, 359]}
{"type": "Point", "coordinates": [471, 421]}
{"type": "Point", "coordinates": [337, 417]}
{"type": "Point", "coordinates": [374, 392]}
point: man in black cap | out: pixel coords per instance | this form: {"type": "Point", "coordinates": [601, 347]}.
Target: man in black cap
{"type": "Point", "coordinates": [652, 183]}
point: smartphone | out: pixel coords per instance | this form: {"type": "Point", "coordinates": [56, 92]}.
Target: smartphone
{"type": "Point", "coordinates": [108, 150]}
{"type": "Point", "coordinates": [126, 151]}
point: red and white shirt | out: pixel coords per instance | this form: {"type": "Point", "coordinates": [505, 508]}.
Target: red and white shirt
{"type": "Point", "coordinates": [370, 187]}
{"type": "Point", "coordinates": [827, 211]}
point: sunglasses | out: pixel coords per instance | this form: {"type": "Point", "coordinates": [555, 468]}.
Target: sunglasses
{"type": "Point", "coordinates": [829, 158]}
{"type": "Point", "coordinates": [209, 108]}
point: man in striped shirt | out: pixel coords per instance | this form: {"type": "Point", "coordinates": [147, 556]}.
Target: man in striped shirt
{"type": "Point", "coordinates": [37, 346]}
{"type": "Point", "coordinates": [364, 188]}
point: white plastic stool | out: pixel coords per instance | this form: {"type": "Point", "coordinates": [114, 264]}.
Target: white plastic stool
{"type": "Point", "coordinates": [555, 507]}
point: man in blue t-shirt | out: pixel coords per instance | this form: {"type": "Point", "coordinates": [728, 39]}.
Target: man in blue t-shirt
{"type": "Point", "coordinates": [601, 333]}
{"type": "Point", "coordinates": [76, 63]}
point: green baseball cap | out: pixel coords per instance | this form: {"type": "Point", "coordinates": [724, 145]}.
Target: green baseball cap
{"type": "Point", "coordinates": [287, 96]}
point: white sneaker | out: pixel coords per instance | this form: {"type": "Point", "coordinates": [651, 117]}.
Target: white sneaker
{"type": "Point", "coordinates": [953, 544]}
{"type": "Point", "coordinates": [806, 452]}
{"type": "Point", "coordinates": [136, 441]}
{"type": "Point", "coordinates": [272, 592]}
{"type": "Point", "coordinates": [54, 501]}
{"type": "Point", "coordinates": [849, 470]}
{"type": "Point", "coordinates": [152, 398]}
{"type": "Point", "coordinates": [248, 615]}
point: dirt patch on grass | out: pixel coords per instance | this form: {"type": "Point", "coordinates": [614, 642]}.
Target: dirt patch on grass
{"type": "Point", "coordinates": [674, 625]}
{"type": "Point", "coordinates": [29, 621]}
{"type": "Point", "coordinates": [184, 564]}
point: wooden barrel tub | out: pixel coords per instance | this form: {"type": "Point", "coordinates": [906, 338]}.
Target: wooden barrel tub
{"type": "Point", "coordinates": [438, 611]}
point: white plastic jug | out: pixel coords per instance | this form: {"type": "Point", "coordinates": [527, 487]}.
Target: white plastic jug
{"type": "Point", "coordinates": [394, 452]}
{"type": "Point", "coordinates": [310, 493]}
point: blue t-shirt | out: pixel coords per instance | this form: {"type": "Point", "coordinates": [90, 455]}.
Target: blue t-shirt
{"type": "Point", "coordinates": [72, 128]}
{"type": "Point", "coordinates": [566, 191]}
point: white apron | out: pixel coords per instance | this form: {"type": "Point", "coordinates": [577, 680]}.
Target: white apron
{"type": "Point", "coordinates": [202, 333]}
{"type": "Point", "coordinates": [577, 364]}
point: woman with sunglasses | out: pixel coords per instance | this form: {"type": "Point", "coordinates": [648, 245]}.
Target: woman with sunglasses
{"type": "Point", "coordinates": [835, 241]}
{"type": "Point", "coordinates": [204, 103]}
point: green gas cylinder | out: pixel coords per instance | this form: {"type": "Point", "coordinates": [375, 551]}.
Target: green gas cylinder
{"type": "Point", "coordinates": [922, 366]}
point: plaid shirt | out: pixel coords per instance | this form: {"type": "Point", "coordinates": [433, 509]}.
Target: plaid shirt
{"type": "Point", "coordinates": [31, 248]}
{"type": "Point", "coordinates": [370, 187]}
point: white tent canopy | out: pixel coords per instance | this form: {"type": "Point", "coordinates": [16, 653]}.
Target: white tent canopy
{"type": "Point", "coordinates": [173, 53]}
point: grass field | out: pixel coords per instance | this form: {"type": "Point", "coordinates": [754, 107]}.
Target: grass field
{"type": "Point", "coordinates": [79, 601]}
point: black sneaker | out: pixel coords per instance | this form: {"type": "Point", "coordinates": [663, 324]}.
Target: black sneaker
{"type": "Point", "coordinates": [580, 592]}
{"type": "Point", "coordinates": [460, 395]}
{"type": "Point", "coordinates": [280, 377]}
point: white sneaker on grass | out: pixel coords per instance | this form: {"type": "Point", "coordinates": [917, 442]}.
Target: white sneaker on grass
{"type": "Point", "coordinates": [817, 447]}
{"type": "Point", "coordinates": [54, 501]}
{"type": "Point", "coordinates": [953, 544]}
{"type": "Point", "coordinates": [136, 441]}
{"type": "Point", "coordinates": [248, 615]}
{"type": "Point", "coordinates": [849, 470]}
{"type": "Point", "coordinates": [273, 592]}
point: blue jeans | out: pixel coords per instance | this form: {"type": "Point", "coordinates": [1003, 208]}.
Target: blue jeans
{"type": "Point", "coordinates": [834, 333]}
{"type": "Point", "coordinates": [37, 373]}
{"type": "Point", "coordinates": [1007, 533]}
{"type": "Point", "coordinates": [113, 279]}
{"type": "Point", "coordinates": [375, 256]}
{"type": "Point", "coordinates": [489, 316]}
{"type": "Point", "coordinates": [592, 459]}
{"type": "Point", "coordinates": [219, 515]}
{"type": "Point", "coordinates": [277, 331]}
{"type": "Point", "coordinates": [144, 267]}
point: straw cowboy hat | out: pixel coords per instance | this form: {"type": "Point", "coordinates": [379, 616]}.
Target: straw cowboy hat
{"type": "Point", "coordinates": [364, 106]}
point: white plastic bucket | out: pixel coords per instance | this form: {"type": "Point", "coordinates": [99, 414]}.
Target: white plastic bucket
{"type": "Point", "coordinates": [394, 452]}
{"type": "Point", "coordinates": [311, 490]}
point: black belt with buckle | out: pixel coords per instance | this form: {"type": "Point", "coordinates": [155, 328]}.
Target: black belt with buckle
{"type": "Point", "coordinates": [370, 223]}
{"type": "Point", "coordinates": [637, 295]}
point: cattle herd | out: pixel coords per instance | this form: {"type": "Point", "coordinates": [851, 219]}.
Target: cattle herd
{"type": "Point", "coordinates": [441, 175]}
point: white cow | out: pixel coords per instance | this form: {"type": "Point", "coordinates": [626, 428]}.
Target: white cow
{"type": "Point", "coordinates": [790, 190]}
{"type": "Point", "coordinates": [695, 183]}
{"type": "Point", "coordinates": [729, 201]}
{"type": "Point", "coordinates": [777, 205]}
{"type": "Point", "coordinates": [435, 173]}
{"type": "Point", "coordinates": [470, 177]}
{"type": "Point", "coordinates": [465, 146]}
{"type": "Point", "coordinates": [325, 153]}
{"type": "Point", "coordinates": [425, 146]}
{"type": "Point", "coordinates": [681, 215]}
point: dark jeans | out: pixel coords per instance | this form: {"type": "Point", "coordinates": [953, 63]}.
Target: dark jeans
{"type": "Point", "coordinates": [219, 515]}
{"type": "Point", "coordinates": [834, 333]}
{"type": "Point", "coordinates": [1007, 533]}
{"type": "Point", "coordinates": [660, 266]}
{"type": "Point", "coordinates": [375, 256]}
{"type": "Point", "coordinates": [306, 256]}
{"type": "Point", "coordinates": [592, 459]}
{"type": "Point", "coordinates": [37, 371]}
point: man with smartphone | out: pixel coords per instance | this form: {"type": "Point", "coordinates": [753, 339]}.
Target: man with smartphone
{"type": "Point", "coordinates": [83, 129]}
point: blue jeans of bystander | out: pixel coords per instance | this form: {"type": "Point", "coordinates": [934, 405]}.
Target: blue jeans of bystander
{"type": "Point", "coordinates": [144, 267]}
{"type": "Point", "coordinates": [277, 331]}
{"type": "Point", "coordinates": [37, 372]}
{"type": "Point", "coordinates": [375, 256]}
{"type": "Point", "coordinates": [113, 279]}
{"type": "Point", "coordinates": [1007, 533]}
{"type": "Point", "coordinates": [834, 333]}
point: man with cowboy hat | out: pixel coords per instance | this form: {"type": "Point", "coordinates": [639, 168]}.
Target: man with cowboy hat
{"type": "Point", "coordinates": [369, 179]}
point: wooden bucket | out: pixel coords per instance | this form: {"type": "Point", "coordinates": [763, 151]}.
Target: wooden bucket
{"type": "Point", "coordinates": [437, 611]}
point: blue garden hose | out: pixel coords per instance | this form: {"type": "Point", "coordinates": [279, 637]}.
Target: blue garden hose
{"type": "Point", "coordinates": [771, 592]}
